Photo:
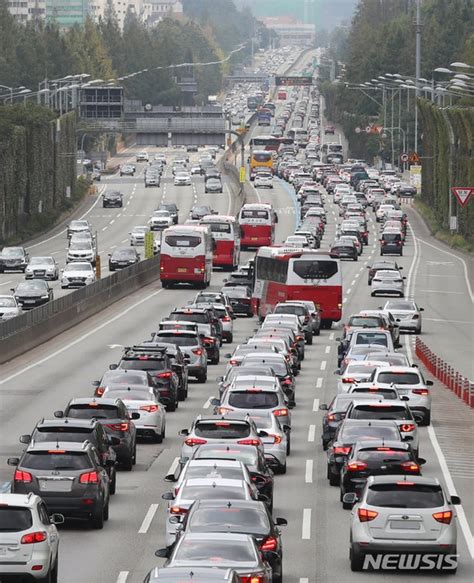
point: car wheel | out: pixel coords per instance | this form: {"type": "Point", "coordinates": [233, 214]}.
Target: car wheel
{"type": "Point", "coordinates": [357, 560]}
{"type": "Point", "coordinates": [309, 339]}
{"type": "Point", "coordinates": [106, 512]}
{"type": "Point", "coordinates": [113, 484]}
{"type": "Point", "coordinates": [230, 338]}
{"type": "Point", "coordinates": [97, 518]}
{"type": "Point", "coordinates": [426, 419]}
{"type": "Point", "coordinates": [171, 407]}
{"type": "Point", "coordinates": [318, 332]}
{"type": "Point", "coordinates": [216, 359]}
{"type": "Point", "coordinates": [127, 465]}
{"type": "Point", "coordinates": [202, 377]}
{"type": "Point", "coordinates": [281, 469]}
{"type": "Point", "coordinates": [356, 258]}
{"type": "Point", "coordinates": [288, 446]}
{"type": "Point", "coordinates": [334, 479]}
{"type": "Point", "coordinates": [158, 437]}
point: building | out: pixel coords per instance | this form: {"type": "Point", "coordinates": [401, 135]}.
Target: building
{"type": "Point", "coordinates": [67, 13]}
{"type": "Point", "coordinates": [290, 31]}
{"type": "Point", "coordinates": [24, 10]}
{"type": "Point", "coordinates": [156, 10]}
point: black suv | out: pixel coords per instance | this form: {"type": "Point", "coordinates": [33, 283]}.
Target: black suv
{"type": "Point", "coordinates": [114, 418]}
{"type": "Point", "coordinates": [158, 365]}
{"type": "Point", "coordinates": [209, 328]}
{"type": "Point", "coordinates": [172, 209]}
{"type": "Point", "coordinates": [114, 198]}
{"type": "Point", "coordinates": [178, 362]}
{"type": "Point", "coordinates": [68, 476]}
{"type": "Point", "coordinates": [79, 430]}
{"type": "Point", "coordinates": [123, 257]}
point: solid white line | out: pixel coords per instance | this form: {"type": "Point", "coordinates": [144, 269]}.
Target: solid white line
{"type": "Point", "coordinates": [92, 332]}
{"type": "Point", "coordinates": [323, 364]}
{"type": "Point", "coordinates": [173, 466]}
{"type": "Point", "coordinates": [316, 405]}
{"type": "Point", "coordinates": [148, 518]}
{"type": "Point", "coordinates": [229, 198]}
{"type": "Point", "coordinates": [327, 350]}
{"type": "Point", "coordinates": [122, 577]}
{"type": "Point", "coordinates": [6, 282]}
{"type": "Point", "coordinates": [311, 432]}
{"type": "Point", "coordinates": [319, 382]}
{"type": "Point", "coordinates": [452, 491]}
{"type": "Point", "coordinates": [308, 474]}
{"type": "Point", "coordinates": [306, 528]}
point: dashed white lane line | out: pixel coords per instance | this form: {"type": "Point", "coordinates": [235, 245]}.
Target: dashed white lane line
{"type": "Point", "coordinates": [148, 519]}
{"type": "Point", "coordinates": [124, 241]}
{"type": "Point", "coordinates": [353, 282]}
{"type": "Point", "coordinates": [316, 405]}
{"type": "Point", "coordinates": [105, 228]}
{"type": "Point", "coordinates": [319, 382]}
{"type": "Point", "coordinates": [112, 221]}
{"type": "Point", "coordinates": [344, 300]}
{"type": "Point", "coordinates": [331, 336]}
{"type": "Point", "coordinates": [207, 404]}
{"type": "Point", "coordinates": [173, 466]}
{"type": "Point", "coordinates": [304, 580]}
{"type": "Point", "coordinates": [327, 350]}
{"type": "Point", "coordinates": [119, 215]}
{"type": "Point", "coordinates": [123, 576]}
{"type": "Point", "coordinates": [311, 432]}
{"type": "Point", "coordinates": [349, 290]}
{"type": "Point", "coordinates": [323, 364]}
{"type": "Point", "coordinates": [308, 474]}
{"type": "Point", "coordinates": [356, 276]}
{"type": "Point", "coordinates": [306, 528]}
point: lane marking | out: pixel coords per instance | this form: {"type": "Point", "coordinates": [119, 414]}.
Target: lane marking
{"type": "Point", "coordinates": [327, 350]}
{"type": "Point", "coordinates": [316, 405]}
{"type": "Point", "coordinates": [80, 338]}
{"type": "Point", "coordinates": [148, 518]}
{"type": "Point", "coordinates": [311, 432]}
{"type": "Point", "coordinates": [207, 404]}
{"type": "Point", "coordinates": [308, 474]}
{"type": "Point", "coordinates": [323, 364]}
{"type": "Point", "coordinates": [319, 382]}
{"type": "Point", "coordinates": [349, 290]}
{"type": "Point", "coordinates": [173, 466]}
{"type": "Point", "coordinates": [105, 228]}
{"type": "Point", "coordinates": [306, 528]}
{"type": "Point", "coordinates": [6, 282]}
{"type": "Point", "coordinates": [304, 580]}
{"type": "Point", "coordinates": [122, 576]}
{"type": "Point", "coordinates": [331, 336]}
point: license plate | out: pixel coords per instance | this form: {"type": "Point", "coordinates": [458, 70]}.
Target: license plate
{"type": "Point", "coordinates": [182, 269]}
{"type": "Point", "coordinates": [404, 525]}
{"type": "Point", "coordinates": [402, 392]}
{"type": "Point", "coordinates": [40, 272]}
{"type": "Point", "coordinates": [55, 485]}
{"type": "Point", "coordinates": [28, 301]}
{"type": "Point", "coordinates": [254, 238]}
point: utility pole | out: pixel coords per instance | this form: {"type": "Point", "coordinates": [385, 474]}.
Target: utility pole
{"type": "Point", "coordinates": [417, 67]}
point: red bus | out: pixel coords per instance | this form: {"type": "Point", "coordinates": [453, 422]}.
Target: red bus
{"type": "Point", "coordinates": [257, 224]}
{"type": "Point", "coordinates": [226, 236]}
{"type": "Point", "coordinates": [186, 255]}
{"type": "Point", "coordinates": [268, 143]}
{"type": "Point", "coordinates": [286, 273]}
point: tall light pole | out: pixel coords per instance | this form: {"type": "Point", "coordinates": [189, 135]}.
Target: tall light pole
{"type": "Point", "coordinates": [417, 66]}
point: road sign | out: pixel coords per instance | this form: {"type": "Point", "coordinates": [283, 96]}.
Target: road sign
{"type": "Point", "coordinates": [404, 157]}
{"type": "Point", "coordinates": [242, 174]}
{"type": "Point", "coordinates": [357, 130]}
{"type": "Point", "coordinates": [415, 177]}
{"type": "Point", "coordinates": [453, 223]}
{"type": "Point", "coordinates": [149, 238]}
{"type": "Point", "coordinates": [463, 194]}
{"type": "Point", "coordinates": [414, 158]}
{"type": "Point", "coordinates": [292, 81]}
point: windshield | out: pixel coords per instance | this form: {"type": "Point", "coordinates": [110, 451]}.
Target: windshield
{"type": "Point", "coordinates": [364, 322]}
{"type": "Point", "coordinates": [230, 519]}
{"type": "Point", "coordinates": [217, 551]}
{"type": "Point", "coordinates": [41, 261]}
{"type": "Point", "coordinates": [372, 338]}
{"type": "Point", "coordinates": [219, 227]}
{"type": "Point", "coordinates": [182, 241]}
{"type": "Point", "coordinates": [353, 433]}
{"type": "Point", "coordinates": [117, 377]}
{"type": "Point", "coordinates": [7, 303]}
{"type": "Point", "coordinates": [124, 254]}
{"type": "Point", "coordinates": [12, 252]}
{"type": "Point", "coordinates": [153, 364]}
{"type": "Point", "coordinates": [399, 378]}
{"type": "Point", "coordinates": [253, 400]}
{"type": "Point", "coordinates": [409, 495]}
{"type": "Point", "coordinates": [378, 411]}
{"type": "Point", "coordinates": [129, 395]}
{"type": "Point", "coordinates": [13, 519]}
{"type": "Point", "coordinates": [314, 269]}
{"type": "Point", "coordinates": [78, 267]}
{"type": "Point", "coordinates": [400, 306]}
{"type": "Point", "coordinates": [222, 429]}
{"type": "Point", "coordinates": [298, 310]}
{"type": "Point", "coordinates": [80, 245]}
{"type": "Point", "coordinates": [31, 285]}
{"type": "Point", "coordinates": [90, 411]}
{"type": "Point", "coordinates": [179, 339]}
{"type": "Point", "coordinates": [254, 214]}
{"type": "Point", "coordinates": [193, 317]}
{"type": "Point", "coordinates": [211, 492]}
{"type": "Point", "coordinates": [42, 460]}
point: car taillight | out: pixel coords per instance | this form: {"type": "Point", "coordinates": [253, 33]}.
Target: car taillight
{"type": "Point", "coordinates": [192, 441]}
{"type": "Point", "coordinates": [233, 362]}
{"type": "Point", "coordinates": [164, 375]}
{"type": "Point", "coordinates": [276, 438]}
{"type": "Point", "coordinates": [423, 392]}
{"type": "Point", "coordinates": [356, 466]}
{"type": "Point", "coordinates": [410, 466]}
{"type": "Point", "coordinates": [197, 351]}
{"type": "Point", "coordinates": [21, 476]}
{"type": "Point", "coordinates": [331, 417]}
{"type": "Point", "coordinates": [407, 427]}
{"type": "Point", "coordinates": [119, 426]}
{"type": "Point", "coordinates": [224, 410]}
{"type": "Point", "coordinates": [149, 408]}
{"type": "Point", "coordinates": [251, 579]}
{"type": "Point", "coordinates": [249, 442]}
{"type": "Point", "coordinates": [287, 381]}
{"type": "Point", "coordinates": [100, 391]}
{"type": "Point", "coordinates": [226, 319]}
{"type": "Point", "coordinates": [208, 340]}
{"type": "Point", "coordinates": [338, 450]}
{"type": "Point", "coordinates": [178, 510]}
{"type": "Point", "coordinates": [346, 380]}
{"type": "Point", "coordinates": [269, 544]}
{"type": "Point", "coordinates": [33, 537]}
{"type": "Point", "coordinates": [366, 515]}
{"type": "Point", "coordinates": [299, 338]}
{"type": "Point", "coordinates": [89, 478]}
{"type": "Point", "coordinates": [445, 516]}
{"type": "Point", "coordinates": [280, 412]}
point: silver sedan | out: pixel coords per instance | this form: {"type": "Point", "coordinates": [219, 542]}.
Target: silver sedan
{"type": "Point", "coordinates": [407, 314]}
{"type": "Point", "coordinates": [42, 268]}
{"type": "Point", "coordinates": [388, 282]}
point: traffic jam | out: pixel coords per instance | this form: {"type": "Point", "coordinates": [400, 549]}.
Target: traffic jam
{"type": "Point", "coordinates": [283, 300]}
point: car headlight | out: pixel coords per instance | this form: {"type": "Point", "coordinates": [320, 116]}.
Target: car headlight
{"type": "Point", "coordinates": [45, 297]}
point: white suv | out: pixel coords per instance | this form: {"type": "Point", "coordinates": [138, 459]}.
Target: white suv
{"type": "Point", "coordinates": [29, 539]}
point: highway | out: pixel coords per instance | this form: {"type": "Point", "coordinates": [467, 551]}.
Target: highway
{"type": "Point", "coordinates": [316, 540]}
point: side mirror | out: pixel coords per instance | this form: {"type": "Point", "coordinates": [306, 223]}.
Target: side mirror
{"type": "Point", "coordinates": [421, 461]}
{"type": "Point", "coordinates": [338, 339]}
{"type": "Point", "coordinates": [59, 414]}
{"type": "Point", "coordinates": [168, 496]}
{"type": "Point", "coordinates": [429, 383]}
{"type": "Point", "coordinates": [176, 520]}
{"type": "Point", "coordinates": [455, 500]}
{"type": "Point", "coordinates": [135, 415]}
{"type": "Point", "coordinates": [214, 402]}
{"type": "Point", "coordinates": [337, 371]}
{"type": "Point", "coordinates": [183, 432]}
{"type": "Point", "coordinates": [228, 355]}
{"type": "Point", "coordinates": [404, 398]}
{"type": "Point", "coordinates": [269, 556]}
{"type": "Point", "coordinates": [113, 366]}
{"type": "Point", "coordinates": [113, 440]}
{"type": "Point", "coordinates": [349, 499]}
{"type": "Point", "coordinates": [13, 461]}
{"type": "Point", "coordinates": [263, 498]}
{"type": "Point", "coordinates": [262, 434]}
{"type": "Point", "coordinates": [163, 553]}
{"type": "Point", "coordinates": [421, 309]}
{"type": "Point", "coordinates": [187, 360]}
{"type": "Point", "coordinates": [323, 407]}
{"type": "Point", "coordinates": [110, 462]}
{"type": "Point", "coordinates": [95, 383]}
{"type": "Point", "coordinates": [408, 438]}
{"type": "Point", "coordinates": [220, 379]}
{"type": "Point", "coordinates": [56, 518]}
{"type": "Point", "coordinates": [281, 521]}
{"type": "Point", "coordinates": [25, 438]}
{"type": "Point", "coordinates": [170, 478]}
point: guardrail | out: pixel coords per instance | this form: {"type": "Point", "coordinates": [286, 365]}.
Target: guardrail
{"type": "Point", "coordinates": [39, 325]}
{"type": "Point", "coordinates": [460, 385]}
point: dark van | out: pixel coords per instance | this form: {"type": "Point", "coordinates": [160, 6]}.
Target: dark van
{"type": "Point", "coordinates": [391, 242]}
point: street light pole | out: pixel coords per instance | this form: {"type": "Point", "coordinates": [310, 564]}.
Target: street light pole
{"type": "Point", "coordinates": [417, 66]}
